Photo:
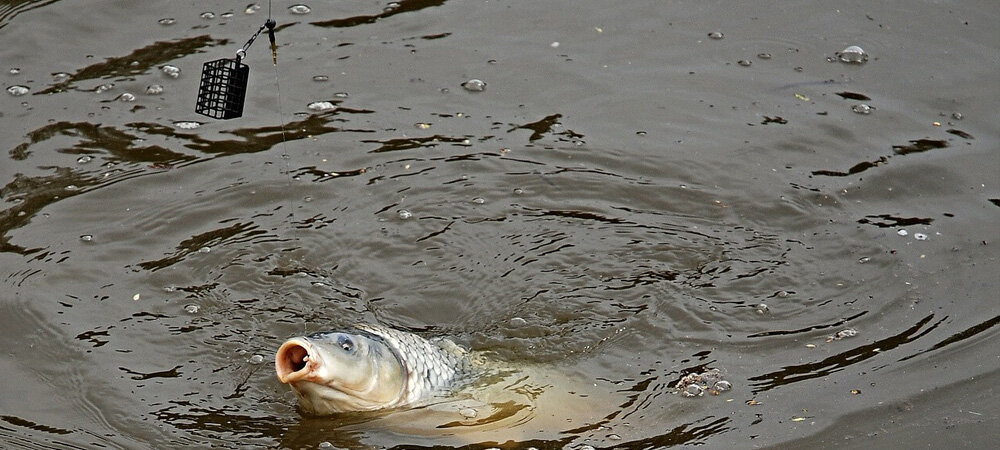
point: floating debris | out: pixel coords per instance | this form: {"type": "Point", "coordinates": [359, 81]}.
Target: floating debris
{"type": "Point", "coordinates": [845, 333]}
{"type": "Point", "coordinates": [853, 55]}
{"type": "Point", "coordinates": [474, 85]}
{"type": "Point", "coordinates": [697, 384]}
{"type": "Point", "coordinates": [18, 90]}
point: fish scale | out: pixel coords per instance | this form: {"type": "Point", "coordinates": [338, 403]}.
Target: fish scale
{"type": "Point", "coordinates": [432, 366]}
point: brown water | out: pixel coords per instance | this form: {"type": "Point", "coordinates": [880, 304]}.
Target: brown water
{"type": "Point", "coordinates": [633, 193]}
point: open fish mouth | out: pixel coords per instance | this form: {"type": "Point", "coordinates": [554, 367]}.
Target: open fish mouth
{"type": "Point", "coordinates": [296, 360]}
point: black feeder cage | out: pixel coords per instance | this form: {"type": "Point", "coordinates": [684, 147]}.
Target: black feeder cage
{"type": "Point", "coordinates": [223, 88]}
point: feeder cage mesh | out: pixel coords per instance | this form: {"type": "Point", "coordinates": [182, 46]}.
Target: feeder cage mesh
{"type": "Point", "coordinates": [223, 89]}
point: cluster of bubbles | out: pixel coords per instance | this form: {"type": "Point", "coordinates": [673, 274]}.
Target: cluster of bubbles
{"type": "Point", "coordinates": [171, 70]}
{"type": "Point", "coordinates": [321, 106]}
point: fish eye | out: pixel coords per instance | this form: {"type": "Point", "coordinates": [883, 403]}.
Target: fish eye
{"type": "Point", "coordinates": [345, 343]}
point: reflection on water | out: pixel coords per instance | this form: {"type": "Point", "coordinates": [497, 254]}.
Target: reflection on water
{"type": "Point", "coordinates": [607, 220]}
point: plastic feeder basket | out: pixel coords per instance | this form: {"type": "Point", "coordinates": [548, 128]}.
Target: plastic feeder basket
{"type": "Point", "coordinates": [223, 89]}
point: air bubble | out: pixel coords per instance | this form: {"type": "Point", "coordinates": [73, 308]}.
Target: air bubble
{"type": "Point", "coordinates": [154, 89]}
{"type": "Point", "coordinates": [404, 214]}
{"type": "Point", "coordinates": [864, 259]}
{"type": "Point", "coordinates": [422, 125]}
{"type": "Point", "coordinates": [171, 71]}
{"type": "Point", "coordinates": [256, 359]}
{"type": "Point", "coordinates": [84, 159]}
{"type": "Point", "coordinates": [205, 249]}
{"type": "Point", "coordinates": [956, 116]}
{"type": "Point", "coordinates": [207, 15]}
{"type": "Point", "coordinates": [104, 87]}
{"type": "Point", "coordinates": [192, 309]}
{"type": "Point", "coordinates": [325, 445]}
{"type": "Point", "coordinates": [321, 78]}
{"type": "Point", "coordinates": [226, 15]}
{"type": "Point", "coordinates": [744, 62]}
{"type": "Point", "coordinates": [60, 76]}
{"type": "Point", "coordinates": [902, 232]}
{"type": "Point", "coordinates": [764, 55]}
{"type": "Point", "coordinates": [15, 70]}
{"type": "Point", "coordinates": [321, 106]}
{"type": "Point", "coordinates": [722, 386]}
{"type": "Point", "coordinates": [716, 35]}
{"type": "Point", "coordinates": [474, 85]}
{"type": "Point", "coordinates": [126, 97]}
{"type": "Point", "coordinates": [693, 390]}
{"type": "Point", "coordinates": [517, 322]}
{"type": "Point", "coordinates": [920, 236]}
{"type": "Point", "coordinates": [862, 109]}
{"type": "Point", "coordinates": [479, 200]}
{"type": "Point", "coordinates": [518, 191]}
{"type": "Point", "coordinates": [167, 21]}
{"type": "Point", "coordinates": [852, 55]}
{"type": "Point", "coordinates": [252, 9]}
{"type": "Point", "coordinates": [87, 238]}
{"type": "Point", "coordinates": [299, 9]}
{"type": "Point", "coordinates": [468, 413]}
{"type": "Point", "coordinates": [18, 90]}
{"type": "Point", "coordinates": [341, 94]}
{"type": "Point", "coordinates": [763, 309]}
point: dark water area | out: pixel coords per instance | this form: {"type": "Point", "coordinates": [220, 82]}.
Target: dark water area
{"type": "Point", "coordinates": [630, 200]}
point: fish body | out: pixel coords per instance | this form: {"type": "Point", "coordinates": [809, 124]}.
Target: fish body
{"type": "Point", "coordinates": [370, 367]}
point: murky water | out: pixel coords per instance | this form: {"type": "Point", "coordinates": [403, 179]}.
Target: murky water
{"type": "Point", "coordinates": [635, 193]}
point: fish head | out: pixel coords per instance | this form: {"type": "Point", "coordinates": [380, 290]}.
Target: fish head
{"type": "Point", "coordinates": [341, 371]}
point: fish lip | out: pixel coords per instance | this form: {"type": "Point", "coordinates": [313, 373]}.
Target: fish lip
{"type": "Point", "coordinates": [290, 364]}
